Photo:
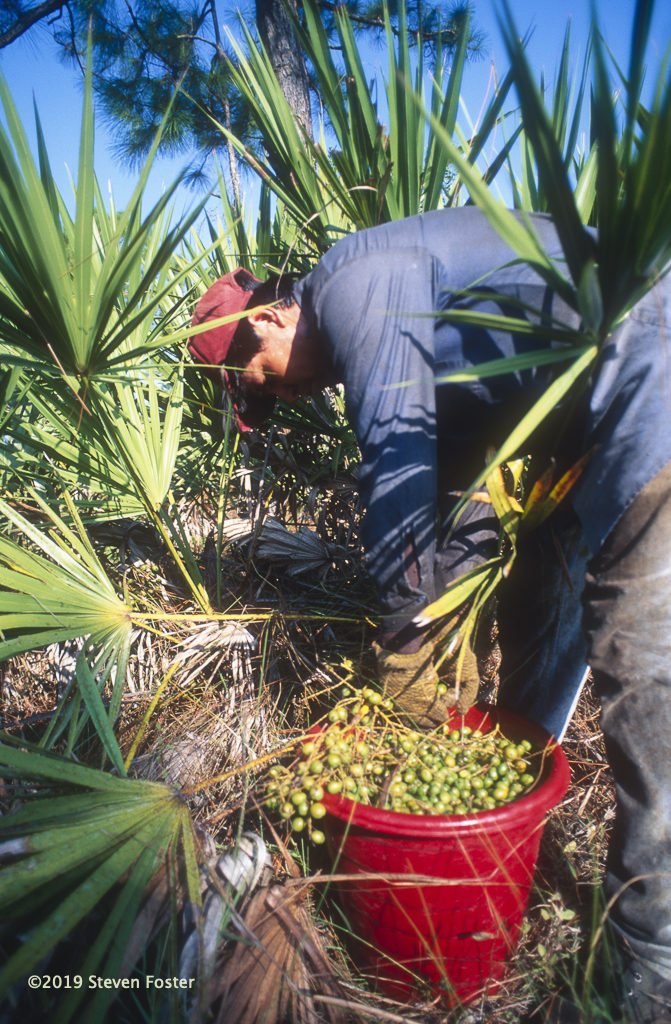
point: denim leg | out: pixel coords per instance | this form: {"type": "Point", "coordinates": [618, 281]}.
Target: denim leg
{"type": "Point", "coordinates": [543, 646]}
{"type": "Point", "coordinates": [628, 623]}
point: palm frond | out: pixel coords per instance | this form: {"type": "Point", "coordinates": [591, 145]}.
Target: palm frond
{"type": "Point", "coordinates": [297, 552]}
{"type": "Point", "coordinates": [57, 592]}
{"type": "Point", "coordinates": [74, 288]}
{"type": "Point", "coordinates": [84, 839]}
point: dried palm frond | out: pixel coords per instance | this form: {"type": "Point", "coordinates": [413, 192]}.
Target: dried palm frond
{"type": "Point", "coordinates": [297, 552]}
{"type": "Point", "coordinates": [210, 646]}
{"type": "Point", "coordinates": [224, 881]}
{"type": "Point", "coordinates": [278, 964]}
{"type": "Point", "coordinates": [136, 542]}
{"type": "Point", "coordinates": [62, 661]}
{"type": "Point", "coordinates": [230, 880]}
{"type": "Point", "coordinates": [200, 648]}
{"type": "Point", "coordinates": [235, 726]}
{"type": "Point", "coordinates": [183, 756]}
{"type": "Point", "coordinates": [148, 661]}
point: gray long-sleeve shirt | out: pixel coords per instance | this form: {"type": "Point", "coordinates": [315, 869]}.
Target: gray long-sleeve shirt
{"type": "Point", "coordinates": [371, 301]}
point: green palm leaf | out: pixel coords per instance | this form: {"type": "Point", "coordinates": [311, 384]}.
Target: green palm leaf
{"type": "Point", "coordinates": [577, 244]}
{"type": "Point", "coordinates": [623, 185]}
{"type": "Point", "coordinates": [65, 297]}
{"type": "Point", "coordinates": [99, 838]}
{"type": "Point", "coordinates": [57, 592]}
{"type": "Point", "coordinates": [140, 415]}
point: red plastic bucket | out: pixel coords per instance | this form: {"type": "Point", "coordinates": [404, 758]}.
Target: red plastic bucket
{"type": "Point", "coordinates": [438, 901]}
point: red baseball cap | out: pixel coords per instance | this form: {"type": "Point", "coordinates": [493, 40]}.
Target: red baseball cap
{"type": "Point", "coordinates": [226, 297]}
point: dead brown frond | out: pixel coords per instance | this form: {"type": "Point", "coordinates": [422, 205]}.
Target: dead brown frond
{"type": "Point", "coordinates": [298, 552]}
{"type": "Point", "coordinates": [278, 965]}
{"type": "Point", "coordinates": [214, 647]}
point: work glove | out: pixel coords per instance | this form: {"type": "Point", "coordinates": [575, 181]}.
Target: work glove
{"type": "Point", "coordinates": [411, 680]}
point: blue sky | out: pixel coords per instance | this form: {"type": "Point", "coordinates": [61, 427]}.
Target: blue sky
{"type": "Point", "coordinates": [31, 68]}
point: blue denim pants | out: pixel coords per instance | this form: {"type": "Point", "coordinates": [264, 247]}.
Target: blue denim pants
{"type": "Point", "coordinates": [559, 611]}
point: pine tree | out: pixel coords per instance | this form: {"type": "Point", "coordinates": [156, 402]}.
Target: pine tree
{"type": "Point", "coordinates": [144, 49]}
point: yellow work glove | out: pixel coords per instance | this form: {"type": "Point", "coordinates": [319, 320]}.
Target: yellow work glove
{"type": "Point", "coordinates": [411, 681]}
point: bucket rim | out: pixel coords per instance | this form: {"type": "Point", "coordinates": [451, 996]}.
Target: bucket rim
{"type": "Point", "coordinates": [531, 808]}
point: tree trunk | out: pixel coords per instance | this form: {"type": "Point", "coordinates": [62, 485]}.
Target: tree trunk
{"type": "Point", "coordinates": [286, 55]}
{"type": "Point", "coordinates": [232, 159]}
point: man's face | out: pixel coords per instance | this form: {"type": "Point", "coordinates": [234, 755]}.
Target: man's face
{"type": "Point", "coordinates": [288, 364]}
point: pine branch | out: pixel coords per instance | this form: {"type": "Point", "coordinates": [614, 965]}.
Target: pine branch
{"type": "Point", "coordinates": [30, 18]}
